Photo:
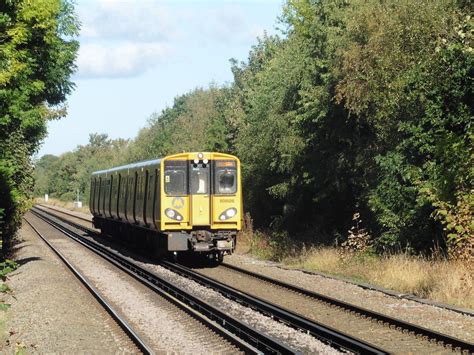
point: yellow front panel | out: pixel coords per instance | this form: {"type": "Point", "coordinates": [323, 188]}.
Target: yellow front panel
{"type": "Point", "coordinates": [180, 204]}
{"type": "Point", "coordinates": [221, 203]}
{"type": "Point", "coordinates": [200, 210]}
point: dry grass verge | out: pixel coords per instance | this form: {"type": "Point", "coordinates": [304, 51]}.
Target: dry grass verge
{"type": "Point", "coordinates": [64, 204]}
{"type": "Point", "coordinates": [444, 281]}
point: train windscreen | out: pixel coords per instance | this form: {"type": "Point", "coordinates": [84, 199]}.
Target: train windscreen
{"type": "Point", "coordinates": [199, 179]}
{"type": "Point", "coordinates": [225, 177]}
{"type": "Point", "coordinates": [175, 178]}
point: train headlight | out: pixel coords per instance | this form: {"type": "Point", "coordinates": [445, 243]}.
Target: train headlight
{"type": "Point", "coordinates": [228, 213]}
{"type": "Point", "coordinates": [200, 155]}
{"type": "Point", "coordinates": [205, 161]}
{"type": "Point", "coordinates": [196, 161]}
{"type": "Point", "coordinates": [170, 213]}
{"type": "Point", "coordinates": [231, 212]}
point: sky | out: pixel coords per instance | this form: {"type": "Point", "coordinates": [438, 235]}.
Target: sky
{"type": "Point", "coordinates": [136, 56]}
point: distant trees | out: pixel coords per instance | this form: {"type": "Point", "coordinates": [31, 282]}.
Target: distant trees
{"type": "Point", "coordinates": [37, 52]}
{"type": "Point", "coordinates": [62, 176]}
{"type": "Point", "coordinates": [185, 126]}
{"type": "Point", "coordinates": [363, 107]}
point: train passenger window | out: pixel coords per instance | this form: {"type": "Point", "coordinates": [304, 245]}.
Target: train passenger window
{"type": "Point", "coordinates": [130, 188]}
{"type": "Point", "coordinates": [199, 180]}
{"type": "Point", "coordinates": [175, 182]}
{"type": "Point", "coordinates": [150, 186]}
{"type": "Point", "coordinates": [139, 188]}
{"type": "Point", "coordinates": [226, 181]}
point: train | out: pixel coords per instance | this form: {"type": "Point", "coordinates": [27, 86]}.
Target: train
{"type": "Point", "coordinates": [176, 205]}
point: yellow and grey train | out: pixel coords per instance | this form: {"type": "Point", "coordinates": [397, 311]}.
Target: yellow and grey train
{"type": "Point", "coordinates": [188, 202]}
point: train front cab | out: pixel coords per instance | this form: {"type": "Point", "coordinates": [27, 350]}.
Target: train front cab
{"type": "Point", "coordinates": [201, 202]}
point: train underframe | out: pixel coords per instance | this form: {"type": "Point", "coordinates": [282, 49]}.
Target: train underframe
{"type": "Point", "coordinates": [208, 243]}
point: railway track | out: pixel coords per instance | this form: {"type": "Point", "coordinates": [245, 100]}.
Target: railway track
{"type": "Point", "coordinates": [458, 344]}
{"type": "Point", "coordinates": [133, 336]}
{"type": "Point", "coordinates": [395, 335]}
{"type": "Point", "coordinates": [82, 219]}
{"type": "Point", "coordinates": [318, 330]}
{"type": "Point", "coordinates": [433, 340]}
{"type": "Point", "coordinates": [241, 336]}
{"type": "Point", "coordinates": [321, 332]}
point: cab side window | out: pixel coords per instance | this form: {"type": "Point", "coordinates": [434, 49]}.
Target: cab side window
{"type": "Point", "coordinates": [226, 181]}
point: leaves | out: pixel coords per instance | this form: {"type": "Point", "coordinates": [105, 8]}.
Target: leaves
{"type": "Point", "coordinates": [36, 63]}
{"type": "Point", "coordinates": [360, 106]}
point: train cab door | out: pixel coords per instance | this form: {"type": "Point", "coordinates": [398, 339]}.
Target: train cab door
{"type": "Point", "coordinates": [200, 206]}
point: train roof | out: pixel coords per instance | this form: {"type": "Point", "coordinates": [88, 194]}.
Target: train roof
{"type": "Point", "coordinates": [128, 166]}
{"type": "Point", "coordinates": [146, 163]}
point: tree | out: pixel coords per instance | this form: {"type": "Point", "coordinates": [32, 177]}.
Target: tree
{"type": "Point", "coordinates": [37, 53]}
{"type": "Point", "coordinates": [63, 176]}
{"type": "Point", "coordinates": [361, 107]}
{"type": "Point", "coordinates": [406, 66]}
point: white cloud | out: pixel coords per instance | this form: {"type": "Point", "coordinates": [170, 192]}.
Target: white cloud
{"type": "Point", "coordinates": [120, 20]}
{"type": "Point", "coordinates": [119, 60]}
{"type": "Point", "coordinates": [228, 23]}
{"type": "Point", "coordinates": [121, 38]}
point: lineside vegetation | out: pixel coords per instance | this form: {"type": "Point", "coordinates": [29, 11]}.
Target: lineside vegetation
{"type": "Point", "coordinates": [37, 52]}
{"type": "Point", "coordinates": [359, 108]}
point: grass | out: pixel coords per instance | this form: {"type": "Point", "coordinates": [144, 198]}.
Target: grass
{"type": "Point", "coordinates": [444, 281]}
{"type": "Point", "coordinates": [64, 204]}
{"type": "Point", "coordinates": [440, 280]}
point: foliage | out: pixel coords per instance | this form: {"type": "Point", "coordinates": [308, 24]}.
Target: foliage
{"type": "Point", "coordinates": [430, 164]}
{"type": "Point", "coordinates": [360, 107]}
{"type": "Point", "coordinates": [193, 123]}
{"type": "Point", "coordinates": [63, 176]}
{"type": "Point", "coordinates": [37, 51]}
{"type": "Point", "coordinates": [6, 267]}
{"type": "Point", "coordinates": [459, 223]}
{"type": "Point", "coordinates": [4, 288]}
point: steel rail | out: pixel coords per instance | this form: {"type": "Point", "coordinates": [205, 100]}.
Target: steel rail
{"type": "Point", "coordinates": [318, 330]}
{"type": "Point", "coordinates": [241, 335]}
{"type": "Point", "coordinates": [443, 339]}
{"type": "Point", "coordinates": [134, 337]}
{"type": "Point", "coordinates": [66, 213]}
{"type": "Point", "coordinates": [322, 332]}
{"type": "Point", "coordinates": [388, 292]}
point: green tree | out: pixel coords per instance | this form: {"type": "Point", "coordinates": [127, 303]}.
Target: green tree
{"type": "Point", "coordinates": [63, 176]}
{"type": "Point", "coordinates": [43, 173]}
{"type": "Point", "coordinates": [406, 66]}
{"type": "Point", "coordinates": [193, 123]}
{"type": "Point", "coordinates": [37, 52]}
